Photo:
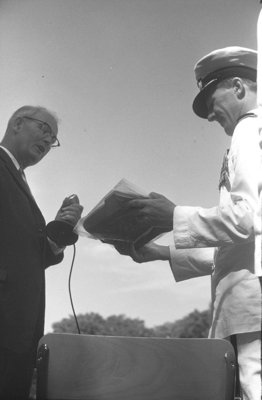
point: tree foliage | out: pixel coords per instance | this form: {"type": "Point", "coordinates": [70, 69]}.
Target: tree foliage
{"type": "Point", "coordinates": [194, 325]}
{"type": "Point", "coordinates": [95, 324]}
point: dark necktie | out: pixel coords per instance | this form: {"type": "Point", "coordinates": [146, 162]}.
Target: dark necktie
{"type": "Point", "coordinates": [24, 179]}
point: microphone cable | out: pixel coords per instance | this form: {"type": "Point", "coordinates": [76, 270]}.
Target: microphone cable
{"type": "Point", "coordinates": [69, 288]}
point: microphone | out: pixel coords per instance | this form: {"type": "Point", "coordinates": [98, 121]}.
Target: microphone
{"type": "Point", "coordinates": [61, 232]}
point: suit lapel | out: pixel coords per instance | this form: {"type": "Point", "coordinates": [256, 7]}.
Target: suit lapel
{"type": "Point", "coordinates": [16, 174]}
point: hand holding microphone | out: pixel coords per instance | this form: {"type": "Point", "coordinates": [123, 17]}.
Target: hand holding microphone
{"type": "Point", "coordinates": [70, 210]}
{"type": "Point", "coordinates": [61, 229]}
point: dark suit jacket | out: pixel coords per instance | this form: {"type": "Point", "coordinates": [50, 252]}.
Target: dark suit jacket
{"type": "Point", "coordinates": [24, 255]}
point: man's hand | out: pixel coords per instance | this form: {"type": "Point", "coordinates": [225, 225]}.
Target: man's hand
{"type": "Point", "coordinates": [70, 210]}
{"type": "Point", "coordinates": [156, 211]}
{"type": "Point", "coordinates": [149, 252]}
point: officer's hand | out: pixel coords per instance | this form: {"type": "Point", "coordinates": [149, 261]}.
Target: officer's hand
{"type": "Point", "coordinates": [156, 211]}
{"type": "Point", "coordinates": [149, 252]}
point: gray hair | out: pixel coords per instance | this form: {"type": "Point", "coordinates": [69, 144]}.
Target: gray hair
{"type": "Point", "coordinates": [30, 111]}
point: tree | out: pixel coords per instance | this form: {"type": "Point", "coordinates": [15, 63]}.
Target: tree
{"type": "Point", "coordinates": [94, 324]}
{"type": "Point", "coordinates": [194, 325]}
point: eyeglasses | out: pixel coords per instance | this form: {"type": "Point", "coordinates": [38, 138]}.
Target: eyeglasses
{"type": "Point", "coordinates": [46, 129]}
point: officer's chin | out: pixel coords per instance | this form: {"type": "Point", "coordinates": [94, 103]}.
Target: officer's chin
{"type": "Point", "coordinates": [229, 130]}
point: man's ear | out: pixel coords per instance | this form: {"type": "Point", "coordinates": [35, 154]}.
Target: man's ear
{"type": "Point", "coordinates": [239, 88]}
{"type": "Point", "coordinates": [17, 124]}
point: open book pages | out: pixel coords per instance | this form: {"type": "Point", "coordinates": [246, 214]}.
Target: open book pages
{"type": "Point", "coordinates": [111, 220]}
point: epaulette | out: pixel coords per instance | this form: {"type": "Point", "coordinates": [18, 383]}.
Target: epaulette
{"type": "Point", "coordinates": [247, 115]}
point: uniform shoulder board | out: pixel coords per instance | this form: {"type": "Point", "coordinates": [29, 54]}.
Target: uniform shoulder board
{"type": "Point", "coordinates": [247, 115]}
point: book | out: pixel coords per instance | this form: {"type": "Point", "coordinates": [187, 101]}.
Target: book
{"type": "Point", "coordinates": [111, 220]}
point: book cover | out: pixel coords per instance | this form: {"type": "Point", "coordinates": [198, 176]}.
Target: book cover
{"type": "Point", "coordinates": [111, 220]}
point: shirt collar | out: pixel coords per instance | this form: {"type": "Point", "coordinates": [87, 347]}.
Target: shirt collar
{"type": "Point", "coordinates": [15, 162]}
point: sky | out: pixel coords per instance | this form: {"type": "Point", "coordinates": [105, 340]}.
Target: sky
{"type": "Point", "coordinates": [119, 76]}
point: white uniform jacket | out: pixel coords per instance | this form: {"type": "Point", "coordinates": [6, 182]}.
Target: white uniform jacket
{"type": "Point", "coordinates": [225, 241]}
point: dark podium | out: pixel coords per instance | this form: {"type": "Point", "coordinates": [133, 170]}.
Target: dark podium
{"type": "Point", "coordinates": [86, 367]}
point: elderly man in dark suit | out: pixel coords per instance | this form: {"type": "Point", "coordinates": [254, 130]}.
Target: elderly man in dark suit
{"type": "Point", "coordinates": [25, 249]}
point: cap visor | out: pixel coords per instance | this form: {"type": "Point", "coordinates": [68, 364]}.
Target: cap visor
{"type": "Point", "coordinates": [199, 103]}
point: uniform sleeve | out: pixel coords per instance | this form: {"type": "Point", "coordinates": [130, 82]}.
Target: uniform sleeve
{"type": "Point", "coordinates": [191, 263]}
{"type": "Point", "coordinates": [235, 219]}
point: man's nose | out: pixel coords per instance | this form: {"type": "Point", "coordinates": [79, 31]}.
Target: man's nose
{"type": "Point", "coordinates": [48, 141]}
